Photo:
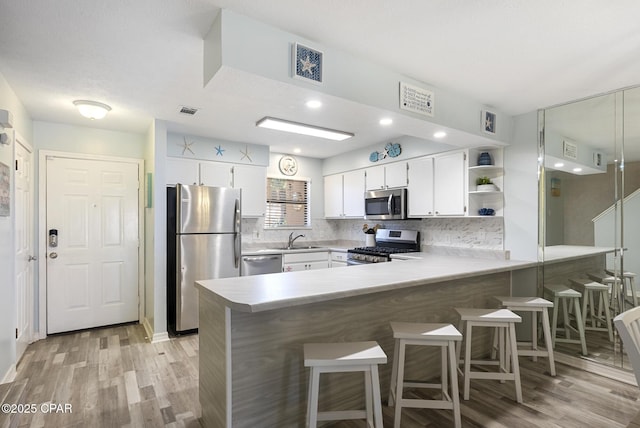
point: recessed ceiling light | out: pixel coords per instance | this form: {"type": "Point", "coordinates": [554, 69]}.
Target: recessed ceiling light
{"type": "Point", "coordinates": [386, 121]}
{"type": "Point", "coordinates": [313, 104]}
{"type": "Point", "coordinates": [92, 109]}
{"type": "Point", "coordinates": [439, 134]}
{"type": "Point", "coordinates": [297, 150]}
{"type": "Point", "coordinates": [302, 128]}
{"type": "Point", "coordinates": [558, 165]}
{"type": "Point", "coordinates": [577, 169]}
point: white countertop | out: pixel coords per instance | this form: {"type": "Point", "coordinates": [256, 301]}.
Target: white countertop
{"type": "Point", "coordinates": [562, 253]}
{"type": "Point", "coordinates": [279, 290]}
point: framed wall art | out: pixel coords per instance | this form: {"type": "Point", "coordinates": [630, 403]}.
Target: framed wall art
{"type": "Point", "coordinates": [489, 122]}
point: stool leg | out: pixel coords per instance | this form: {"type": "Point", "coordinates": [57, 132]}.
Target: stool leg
{"type": "Point", "coordinates": [394, 374]}
{"type": "Point", "coordinates": [585, 300]}
{"type": "Point", "coordinates": [592, 311]}
{"type": "Point", "coordinates": [514, 360]}
{"type": "Point", "coordinates": [583, 341]}
{"type": "Point", "coordinates": [368, 400]}
{"type": "Point", "coordinates": [554, 321]}
{"type": "Point", "coordinates": [443, 372]}
{"type": "Point", "coordinates": [377, 400]}
{"type": "Point", "coordinates": [467, 361]}
{"type": "Point", "coordinates": [534, 334]}
{"type": "Point", "coordinates": [314, 386]}
{"type": "Point", "coordinates": [494, 345]}
{"type": "Point", "coordinates": [399, 385]}
{"type": "Point", "coordinates": [547, 340]}
{"type": "Point", "coordinates": [454, 385]}
{"type": "Point", "coordinates": [565, 318]}
{"type": "Point", "coordinates": [607, 317]}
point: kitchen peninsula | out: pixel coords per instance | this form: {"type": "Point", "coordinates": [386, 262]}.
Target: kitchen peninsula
{"type": "Point", "coordinates": [252, 328]}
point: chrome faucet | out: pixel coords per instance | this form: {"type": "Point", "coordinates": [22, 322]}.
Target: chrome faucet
{"type": "Point", "coordinates": [292, 239]}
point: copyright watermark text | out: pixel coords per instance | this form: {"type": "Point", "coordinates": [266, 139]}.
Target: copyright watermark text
{"type": "Point", "coordinates": [21, 408]}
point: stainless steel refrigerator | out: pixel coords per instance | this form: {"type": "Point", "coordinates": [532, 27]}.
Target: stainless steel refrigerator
{"type": "Point", "coordinates": [203, 234]}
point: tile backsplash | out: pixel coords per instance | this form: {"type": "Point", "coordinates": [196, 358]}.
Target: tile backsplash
{"type": "Point", "coordinates": [463, 232]}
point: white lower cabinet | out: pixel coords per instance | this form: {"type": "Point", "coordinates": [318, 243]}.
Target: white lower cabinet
{"type": "Point", "coordinates": [338, 258]}
{"type": "Point", "coordinates": [305, 261]}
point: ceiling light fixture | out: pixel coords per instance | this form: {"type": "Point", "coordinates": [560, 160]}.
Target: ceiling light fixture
{"type": "Point", "coordinates": [558, 165]}
{"type": "Point", "coordinates": [577, 169]}
{"type": "Point", "coordinates": [386, 121]}
{"type": "Point", "coordinates": [92, 109]}
{"type": "Point", "coordinates": [301, 128]}
{"type": "Point", "coordinates": [297, 150]}
{"type": "Point", "coordinates": [439, 134]}
{"type": "Point", "coordinates": [313, 104]}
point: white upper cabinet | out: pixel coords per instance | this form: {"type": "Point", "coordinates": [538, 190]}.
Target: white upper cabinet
{"type": "Point", "coordinates": [215, 174]}
{"type": "Point", "coordinates": [437, 185]}
{"type": "Point", "coordinates": [253, 182]}
{"type": "Point", "coordinates": [183, 171]}
{"type": "Point", "coordinates": [354, 194]}
{"type": "Point", "coordinates": [420, 188]}
{"type": "Point", "coordinates": [395, 175]}
{"type": "Point", "coordinates": [449, 179]}
{"type": "Point", "coordinates": [386, 176]}
{"type": "Point", "coordinates": [344, 195]}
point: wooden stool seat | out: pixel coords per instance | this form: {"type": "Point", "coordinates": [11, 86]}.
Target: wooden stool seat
{"type": "Point", "coordinates": [594, 308]}
{"type": "Point", "coordinates": [420, 334]}
{"type": "Point", "coordinates": [504, 320]}
{"type": "Point", "coordinates": [533, 305]}
{"type": "Point", "coordinates": [345, 357]}
{"type": "Point", "coordinates": [562, 293]}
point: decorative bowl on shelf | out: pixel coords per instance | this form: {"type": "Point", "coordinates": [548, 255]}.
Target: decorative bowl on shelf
{"type": "Point", "coordinates": [486, 187]}
{"type": "Point", "coordinates": [484, 159]}
{"type": "Point", "coordinates": [486, 211]}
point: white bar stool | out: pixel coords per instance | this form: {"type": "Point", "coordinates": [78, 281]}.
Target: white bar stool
{"type": "Point", "coordinates": [345, 357]}
{"type": "Point", "coordinates": [504, 320]}
{"type": "Point", "coordinates": [533, 305]}
{"type": "Point", "coordinates": [419, 334]}
{"type": "Point", "coordinates": [560, 292]}
{"type": "Point", "coordinates": [593, 308]}
{"type": "Point", "coordinates": [630, 279]}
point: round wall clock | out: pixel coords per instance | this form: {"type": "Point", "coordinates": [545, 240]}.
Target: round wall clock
{"type": "Point", "coordinates": [288, 165]}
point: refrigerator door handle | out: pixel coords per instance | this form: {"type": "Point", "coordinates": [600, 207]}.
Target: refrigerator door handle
{"type": "Point", "coordinates": [236, 247]}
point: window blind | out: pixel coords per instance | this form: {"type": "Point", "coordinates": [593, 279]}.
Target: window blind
{"type": "Point", "coordinates": [287, 203]}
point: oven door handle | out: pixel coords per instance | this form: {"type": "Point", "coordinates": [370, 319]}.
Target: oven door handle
{"type": "Point", "coordinates": [353, 262]}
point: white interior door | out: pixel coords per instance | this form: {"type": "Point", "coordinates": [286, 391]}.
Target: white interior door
{"type": "Point", "coordinates": [25, 254]}
{"type": "Point", "coordinates": [92, 269]}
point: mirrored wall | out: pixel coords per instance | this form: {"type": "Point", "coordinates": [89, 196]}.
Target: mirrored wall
{"type": "Point", "coordinates": [589, 206]}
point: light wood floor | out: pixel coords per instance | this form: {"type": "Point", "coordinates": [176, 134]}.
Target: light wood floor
{"type": "Point", "coordinates": [113, 377]}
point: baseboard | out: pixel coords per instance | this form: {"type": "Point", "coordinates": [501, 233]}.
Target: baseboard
{"type": "Point", "coordinates": [154, 337]}
{"type": "Point", "coordinates": [10, 375]}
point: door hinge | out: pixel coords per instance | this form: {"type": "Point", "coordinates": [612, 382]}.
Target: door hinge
{"type": "Point", "coordinates": [16, 164]}
{"type": "Point", "coordinates": [16, 332]}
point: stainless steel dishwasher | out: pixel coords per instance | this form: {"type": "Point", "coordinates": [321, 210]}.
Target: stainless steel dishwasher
{"type": "Point", "coordinates": [258, 265]}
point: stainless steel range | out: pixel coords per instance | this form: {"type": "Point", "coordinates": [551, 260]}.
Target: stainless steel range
{"type": "Point", "coordinates": [388, 241]}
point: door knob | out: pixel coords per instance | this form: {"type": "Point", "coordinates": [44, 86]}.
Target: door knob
{"type": "Point", "coordinates": [53, 255]}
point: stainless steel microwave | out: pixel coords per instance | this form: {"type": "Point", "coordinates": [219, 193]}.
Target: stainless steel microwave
{"type": "Point", "coordinates": [385, 204]}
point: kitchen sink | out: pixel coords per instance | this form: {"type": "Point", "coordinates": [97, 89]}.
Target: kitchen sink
{"type": "Point", "coordinates": [310, 247]}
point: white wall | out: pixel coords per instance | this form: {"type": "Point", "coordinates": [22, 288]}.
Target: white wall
{"type": "Point", "coordinates": [158, 265]}
{"type": "Point", "coordinates": [22, 124]}
{"type": "Point", "coordinates": [521, 189]}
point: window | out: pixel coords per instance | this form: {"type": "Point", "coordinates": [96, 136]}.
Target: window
{"type": "Point", "coordinates": [287, 203]}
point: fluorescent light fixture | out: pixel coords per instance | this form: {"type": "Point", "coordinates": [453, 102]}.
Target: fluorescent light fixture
{"type": "Point", "coordinates": [558, 165]}
{"type": "Point", "coordinates": [439, 134]}
{"type": "Point", "coordinates": [304, 129]}
{"type": "Point", "coordinates": [386, 121]}
{"type": "Point", "coordinates": [92, 109]}
{"type": "Point", "coordinates": [313, 104]}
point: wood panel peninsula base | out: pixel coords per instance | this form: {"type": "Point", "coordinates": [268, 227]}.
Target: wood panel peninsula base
{"type": "Point", "coordinates": [252, 330]}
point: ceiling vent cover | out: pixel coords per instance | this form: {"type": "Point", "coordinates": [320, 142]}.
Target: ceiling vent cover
{"type": "Point", "coordinates": [188, 110]}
